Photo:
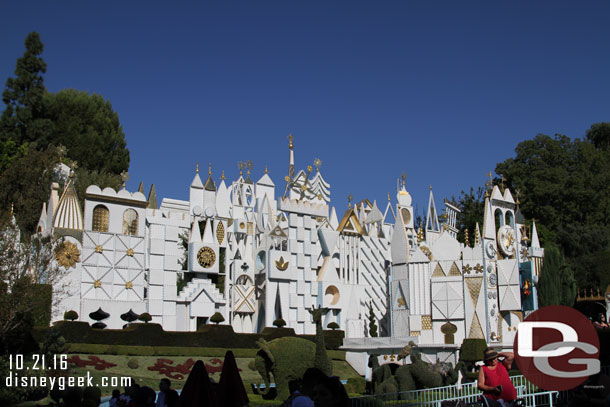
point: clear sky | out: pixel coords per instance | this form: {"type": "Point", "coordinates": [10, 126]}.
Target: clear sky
{"type": "Point", "coordinates": [439, 90]}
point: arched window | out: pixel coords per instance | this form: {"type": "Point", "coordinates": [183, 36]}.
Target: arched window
{"type": "Point", "coordinates": [509, 218]}
{"type": "Point", "coordinates": [100, 219]}
{"type": "Point", "coordinates": [130, 222]}
{"type": "Point", "coordinates": [499, 218]}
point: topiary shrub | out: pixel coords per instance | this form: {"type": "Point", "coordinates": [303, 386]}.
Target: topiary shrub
{"type": "Point", "coordinates": [145, 317]}
{"type": "Point", "coordinates": [355, 385]}
{"type": "Point", "coordinates": [133, 363]}
{"type": "Point", "coordinates": [471, 352]}
{"type": "Point", "coordinates": [217, 318]}
{"type": "Point", "coordinates": [333, 326]}
{"type": "Point", "coordinates": [279, 323]}
{"type": "Point", "coordinates": [70, 315]}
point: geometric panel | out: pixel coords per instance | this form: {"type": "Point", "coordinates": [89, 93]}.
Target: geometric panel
{"type": "Point", "coordinates": [454, 270]}
{"type": "Point", "coordinates": [438, 271]}
{"type": "Point", "coordinates": [447, 300]}
{"type": "Point", "coordinates": [475, 329]}
{"type": "Point", "coordinates": [474, 287]}
{"type": "Point", "coordinates": [508, 272]}
{"type": "Point", "coordinates": [510, 298]}
{"type": "Point", "coordinates": [243, 298]}
{"type": "Point", "coordinates": [426, 322]}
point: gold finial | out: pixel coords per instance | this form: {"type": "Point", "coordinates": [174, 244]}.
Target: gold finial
{"type": "Point", "coordinates": [430, 187]}
{"type": "Point", "coordinates": [12, 208]}
{"type": "Point", "coordinates": [249, 166]}
{"type": "Point", "coordinates": [403, 176]}
{"type": "Point", "coordinates": [466, 239]}
{"type": "Point", "coordinates": [389, 199]}
{"type": "Point", "coordinates": [309, 168]}
{"type": "Point", "coordinates": [124, 177]}
{"type": "Point", "coordinates": [241, 165]}
{"type": "Point", "coordinates": [502, 179]}
{"type": "Point", "coordinates": [517, 192]}
{"type": "Point", "coordinates": [290, 141]}
{"type": "Point", "coordinates": [317, 163]}
{"type": "Point", "coordinates": [420, 234]}
{"type": "Point", "coordinates": [197, 167]}
{"type": "Point", "coordinates": [266, 169]}
{"type": "Point", "coordinates": [210, 169]}
{"type": "Point", "coordinates": [73, 166]}
{"type": "Point", "coordinates": [61, 152]}
{"type": "Point", "coordinates": [222, 177]}
{"type": "Point", "coordinates": [349, 200]}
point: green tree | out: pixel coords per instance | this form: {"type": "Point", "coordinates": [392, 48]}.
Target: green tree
{"type": "Point", "coordinates": [472, 205]}
{"type": "Point", "coordinates": [23, 119]}
{"type": "Point", "coordinates": [599, 135]}
{"type": "Point", "coordinates": [217, 318]}
{"type": "Point", "coordinates": [556, 284]}
{"type": "Point", "coordinates": [89, 128]}
{"type": "Point", "coordinates": [372, 322]}
{"type": "Point", "coordinates": [563, 185]}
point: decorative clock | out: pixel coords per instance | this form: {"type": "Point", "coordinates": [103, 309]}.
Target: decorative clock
{"type": "Point", "coordinates": [507, 240]}
{"type": "Point", "coordinates": [206, 257]}
{"type": "Point", "coordinates": [490, 249]}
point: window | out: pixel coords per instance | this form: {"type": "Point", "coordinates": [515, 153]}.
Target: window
{"type": "Point", "coordinates": [130, 222]}
{"type": "Point", "coordinates": [100, 219]}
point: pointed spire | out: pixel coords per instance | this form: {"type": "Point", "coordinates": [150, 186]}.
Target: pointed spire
{"type": "Point", "coordinates": [489, 224]}
{"type": "Point", "coordinates": [195, 232]}
{"type": "Point", "coordinates": [466, 238]}
{"type": "Point", "coordinates": [152, 198]}
{"type": "Point", "coordinates": [207, 232]}
{"type": "Point", "coordinates": [400, 243]}
{"type": "Point", "coordinates": [535, 241]}
{"type": "Point", "coordinates": [333, 220]}
{"type": "Point", "coordinates": [197, 167]}
{"type": "Point", "coordinates": [222, 177]}
{"type": "Point", "coordinates": [432, 223]}
{"type": "Point", "coordinates": [209, 183]}
{"type": "Point", "coordinates": [141, 188]}
{"type": "Point", "coordinates": [68, 214]}
{"type": "Point", "coordinates": [266, 169]}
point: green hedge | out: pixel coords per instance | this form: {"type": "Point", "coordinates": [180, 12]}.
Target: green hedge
{"type": "Point", "coordinates": [472, 349]}
{"type": "Point", "coordinates": [208, 336]}
{"type": "Point", "coordinates": [97, 349]}
{"type": "Point", "coordinates": [43, 295]}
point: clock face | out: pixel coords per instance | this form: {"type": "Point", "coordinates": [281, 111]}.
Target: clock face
{"type": "Point", "coordinates": [490, 249]}
{"type": "Point", "coordinates": [507, 240]}
{"type": "Point", "coordinates": [206, 257]}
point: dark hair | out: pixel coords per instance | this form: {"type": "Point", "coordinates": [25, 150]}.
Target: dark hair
{"type": "Point", "coordinates": [334, 385]}
{"type": "Point", "coordinates": [311, 377]}
{"type": "Point", "coordinates": [166, 380]}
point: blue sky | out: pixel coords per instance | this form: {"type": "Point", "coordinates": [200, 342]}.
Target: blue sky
{"type": "Point", "coordinates": [440, 90]}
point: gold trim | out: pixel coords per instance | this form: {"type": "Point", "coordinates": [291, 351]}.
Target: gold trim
{"type": "Point", "coordinates": [426, 322]}
{"type": "Point", "coordinates": [97, 284]}
{"type": "Point", "coordinates": [402, 302]}
{"type": "Point", "coordinates": [130, 252]}
{"type": "Point", "coordinates": [129, 285]}
{"type": "Point", "coordinates": [99, 248]}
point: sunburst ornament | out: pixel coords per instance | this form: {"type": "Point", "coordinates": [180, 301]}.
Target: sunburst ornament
{"type": "Point", "coordinates": [97, 284]}
{"type": "Point", "coordinates": [130, 252]}
{"type": "Point", "coordinates": [67, 255]}
{"type": "Point", "coordinates": [129, 285]}
{"type": "Point", "coordinates": [99, 248]}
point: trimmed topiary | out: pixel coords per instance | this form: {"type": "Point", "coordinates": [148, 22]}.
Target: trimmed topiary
{"type": "Point", "coordinates": [217, 318]}
{"type": "Point", "coordinates": [70, 315]}
{"type": "Point", "coordinates": [133, 363]}
{"type": "Point", "coordinates": [333, 326]}
{"type": "Point", "coordinates": [145, 317]}
{"type": "Point", "coordinates": [279, 323]}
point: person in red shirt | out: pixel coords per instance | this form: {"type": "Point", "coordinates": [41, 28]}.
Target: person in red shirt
{"type": "Point", "coordinates": [493, 377]}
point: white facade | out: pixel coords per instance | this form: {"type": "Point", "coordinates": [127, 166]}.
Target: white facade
{"type": "Point", "coordinates": [256, 254]}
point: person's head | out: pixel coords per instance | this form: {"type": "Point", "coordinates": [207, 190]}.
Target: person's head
{"type": "Point", "coordinates": [116, 393]}
{"type": "Point", "coordinates": [164, 384]}
{"type": "Point", "coordinates": [329, 392]}
{"type": "Point", "coordinates": [490, 357]}
{"type": "Point", "coordinates": [311, 377]}
{"type": "Point", "coordinates": [601, 317]}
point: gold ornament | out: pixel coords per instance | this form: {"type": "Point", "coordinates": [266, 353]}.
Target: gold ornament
{"type": "Point", "coordinates": [426, 322]}
{"type": "Point", "coordinates": [402, 302]}
{"type": "Point", "coordinates": [99, 248]}
{"type": "Point", "coordinates": [206, 257]}
{"type": "Point", "coordinates": [129, 285]}
{"type": "Point", "coordinates": [220, 232]}
{"type": "Point", "coordinates": [281, 264]}
{"type": "Point", "coordinates": [97, 284]}
{"type": "Point", "coordinates": [130, 252]}
{"type": "Point", "coordinates": [67, 255]}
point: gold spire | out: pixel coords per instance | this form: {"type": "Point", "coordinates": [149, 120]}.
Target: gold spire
{"type": "Point", "coordinates": [222, 177]}
{"type": "Point", "coordinates": [466, 240]}
{"type": "Point", "coordinates": [249, 166]}
{"type": "Point", "coordinates": [12, 208]}
{"type": "Point", "coordinates": [317, 163]}
{"type": "Point", "coordinates": [420, 234]}
{"type": "Point", "coordinates": [266, 169]}
{"type": "Point", "coordinates": [403, 176]}
{"type": "Point", "coordinates": [241, 165]}
{"type": "Point", "coordinates": [210, 169]}
{"type": "Point", "coordinates": [290, 141]}
{"type": "Point", "coordinates": [389, 199]}
{"type": "Point", "coordinates": [430, 187]}
{"type": "Point", "coordinates": [197, 167]}
{"type": "Point", "coordinates": [349, 200]}
{"type": "Point", "coordinates": [502, 179]}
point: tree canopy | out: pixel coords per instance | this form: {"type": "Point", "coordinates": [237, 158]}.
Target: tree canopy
{"type": "Point", "coordinates": [38, 128]}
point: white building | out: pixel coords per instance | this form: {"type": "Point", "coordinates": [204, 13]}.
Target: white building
{"type": "Point", "coordinates": [256, 254]}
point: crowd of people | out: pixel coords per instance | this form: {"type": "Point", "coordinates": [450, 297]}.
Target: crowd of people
{"type": "Point", "coordinates": [316, 389]}
{"type": "Point", "coordinates": [144, 396]}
